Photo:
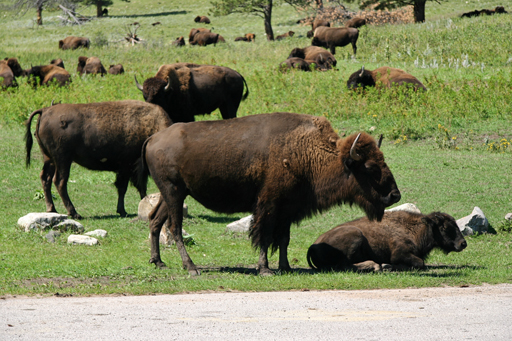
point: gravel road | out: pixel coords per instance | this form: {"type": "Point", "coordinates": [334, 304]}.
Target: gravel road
{"type": "Point", "coordinates": [471, 313]}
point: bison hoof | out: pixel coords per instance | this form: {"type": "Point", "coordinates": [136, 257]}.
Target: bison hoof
{"type": "Point", "coordinates": [76, 216]}
{"type": "Point", "coordinates": [266, 272]}
{"type": "Point", "coordinates": [194, 272]}
{"type": "Point", "coordinates": [123, 214]}
{"type": "Point", "coordinates": [158, 263]}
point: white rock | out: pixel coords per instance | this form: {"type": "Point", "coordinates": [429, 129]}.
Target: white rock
{"type": "Point", "coordinates": [476, 222]}
{"type": "Point", "coordinates": [70, 224]}
{"type": "Point", "coordinates": [241, 225]}
{"type": "Point", "coordinates": [43, 220]}
{"type": "Point", "coordinates": [405, 207]}
{"type": "Point", "coordinates": [508, 216]}
{"type": "Point", "coordinates": [97, 233]}
{"type": "Point", "coordinates": [77, 239]}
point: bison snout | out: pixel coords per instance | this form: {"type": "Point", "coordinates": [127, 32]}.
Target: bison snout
{"type": "Point", "coordinates": [392, 198]}
{"type": "Point", "coordinates": [461, 246]}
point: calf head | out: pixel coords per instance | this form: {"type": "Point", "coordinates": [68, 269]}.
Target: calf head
{"type": "Point", "coordinates": [16, 69]}
{"type": "Point", "coordinates": [446, 233]}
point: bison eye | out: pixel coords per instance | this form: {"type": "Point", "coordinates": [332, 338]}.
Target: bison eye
{"type": "Point", "coordinates": [373, 169]}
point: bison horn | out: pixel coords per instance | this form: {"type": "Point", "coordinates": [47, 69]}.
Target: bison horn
{"type": "Point", "coordinates": [353, 153]}
{"type": "Point", "coordinates": [380, 140]}
{"type": "Point", "coordinates": [168, 86]}
{"type": "Point", "coordinates": [138, 85]}
{"type": "Point", "coordinates": [362, 72]}
{"type": "Point", "coordinates": [51, 105]}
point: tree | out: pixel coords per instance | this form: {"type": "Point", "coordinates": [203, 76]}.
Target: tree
{"type": "Point", "coordinates": [39, 5]}
{"type": "Point", "coordinates": [418, 5]}
{"type": "Point", "coordinates": [99, 5]}
{"type": "Point", "coordinates": [261, 8]}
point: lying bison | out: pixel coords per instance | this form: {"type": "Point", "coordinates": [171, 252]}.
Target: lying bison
{"type": "Point", "coordinates": [117, 69]}
{"type": "Point", "coordinates": [402, 240]}
{"type": "Point", "coordinates": [104, 136]}
{"type": "Point", "coordinates": [206, 38]}
{"type": "Point", "coordinates": [249, 37]}
{"type": "Point", "coordinates": [285, 35]}
{"type": "Point", "coordinates": [185, 90]}
{"type": "Point", "coordinates": [72, 43]}
{"type": "Point", "coordinates": [57, 62]}
{"type": "Point", "coordinates": [195, 31]}
{"type": "Point", "coordinates": [91, 65]}
{"type": "Point", "coordinates": [202, 19]}
{"type": "Point", "coordinates": [384, 76]}
{"type": "Point", "coordinates": [313, 54]}
{"type": "Point", "coordinates": [330, 37]}
{"type": "Point", "coordinates": [10, 68]}
{"type": "Point", "coordinates": [295, 63]}
{"type": "Point", "coordinates": [180, 41]}
{"type": "Point", "coordinates": [282, 167]}
{"type": "Point", "coordinates": [47, 75]}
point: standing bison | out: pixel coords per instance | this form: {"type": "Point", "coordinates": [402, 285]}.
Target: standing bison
{"type": "Point", "coordinates": [401, 240]}
{"type": "Point", "coordinates": [10, 68]}
{"type": "Point", "coordinates": [282, 167]}
{"type": "Point", "coordinates": [356, 22]}
{"type": "Point", "coordinates": [48, 74]}
{"type": "Point", "coordinates": [185, 90]}
{"type": "Point", "coordinates": [323, 59]}
{"type": "Point", "coordinates": [72, 43]}
{"type": "Point", "coordinates": [330, 37]}
{"type": "Point", "coordinates": [384, 76]}
{"type": "Point", "coordinates": [104, 136]}
{"type": "Point", "coordinates": [317, 23]}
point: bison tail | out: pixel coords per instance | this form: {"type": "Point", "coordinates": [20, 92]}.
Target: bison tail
{"type": "Point", "coordinates": [246, 89]}
{"type": "Point", "coordinates": [141, 168]}
{"type": "Point", "coordinates": [309, 256]}
{"type": "Point", "coordinates": [28, 135]}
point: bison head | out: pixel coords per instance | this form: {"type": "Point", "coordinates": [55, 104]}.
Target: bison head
{"type": "Point", "coordinates": [155, 90]}
{"type": "Point", "coordinates": [16, 69]}
{"type": "Point", "coordinates": [360, 78]}
{"type": "Point", "coordinates": [35, 75]}
{"type": "Point", "coordinates": [446, 233]}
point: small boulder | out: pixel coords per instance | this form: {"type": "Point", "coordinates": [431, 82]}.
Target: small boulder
{"type": "Point", "coordinates": [405, 207]}
{"type": "Point", "coordinates": [46, 220]}
{"type": "Point", "coordinates": [97, 233]}
{"type": "Point", "coordinates": [476, 222]}
{"type": "Point", "coordinates": [77, 239]}
{"type": "Point", "coordinates": [508, 216]}
{"type": "Point", "coordinates": [52, 235]}
{"type": "Point", "coordinates": [242, 225]}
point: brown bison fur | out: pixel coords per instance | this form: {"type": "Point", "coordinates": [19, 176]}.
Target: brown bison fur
{"type": "Point", "coordinates": [241, 39]}
{"type": "Point", "coordinates": [206, 38]}
{"type": "Point", "coordinates": [282, 167]}
{"type": "Point", "coordinates": [384, 76]}
{"type": "Point", "coordinates": [195, 31]}
{"type": "Point", "coordinates": [323, 59]}
{"type": "Point", "coordinates": [156, 23]}
{"type": "Point", "coordinates": [185, 90]}
{"type": "Point", "coordinates": [286, 35]}
{"type": "Point", "coordinates": [74, 43]}
{"type": "Point", "coordinates": [104, 136]}
{"type": "Point", "coordinates": [92, 66]}
{"type": "Point", "coordinates": [202, 19]}
{"type": "Point", "coordinates": [249, 37]}
{"type": "Point", "coordinates": [295, 63]}
{"type": "Point", "coordinates": [356, 22]}
{"type": "Point", "coordinates": [180, 41]}
{"type": "Point", "coordinates": [221, 39]}
{"type": "Point", "coordinates": [81, 64]}
{"type": "Point", "coordinates": [10, 68]}
{"type": "Point", "coordinates": [330, 37]}
{"type": "Point", "coordinates": [317, 23]}
{"type": "Point", "coordinates": [48, 74]}
{"type": "Point", "coordinates": [58, 62]}
{"type": "Point", "coordinates": [116, 69]}
{"type": "Point", "coordinates": [400, 241]}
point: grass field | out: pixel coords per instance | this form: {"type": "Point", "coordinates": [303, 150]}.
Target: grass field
{"type": "Point", "coordinates": [448, 148]}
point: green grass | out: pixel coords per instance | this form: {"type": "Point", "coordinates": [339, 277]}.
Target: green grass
{"type": "Point", "coordinates": [445, 147]}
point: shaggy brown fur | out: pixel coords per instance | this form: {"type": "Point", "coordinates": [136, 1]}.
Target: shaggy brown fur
{"type": "Point", "coordinates": [282, 167]}
{"type": "Point", "coordinates": [185, 90]}
{"type": "Point", "coordinates": [402, 240]}
{"type": "Point", "coordinates": [10, 68]}
{"type": "Point", "coordinates": [180, 41]}
{"type": "Point", "coordinates": [81, 64]}
{"type": "Point", "coordinates": [202, 19]}
{"type": "Point", "coordinates": [48, 74]}
{"type": "Point", "coordinates": [330, 37]}
{"type": "Point", "coordinates": [356, 22]}
{"type": "Point", "coordinates": [286, 35]}
{"type": "Point", "coordinates": [99, 136]}
{"type": "Point", "coordinates": [323, 59]}
{"type": "Point", "coordinates": [206, 38]}
{"type": "Point", "coordinates": [93, 66]}
{"type": "Point", "coordinates": [295, 63]}
{"type": "Point", "coordinates": [317, 23]}
{"type": "Point", "coordinates": [74, 42]}
{"type": "Point", "coordinates": [384, 76]}
{"type": "Point", "coordinates": [195, 31]}
{"type": "Point", "coordinates": [57, 62]}
{"type": "Point", "coordinates": [249, 37]}
{"type": "Point", "coordinates": [116, 69]}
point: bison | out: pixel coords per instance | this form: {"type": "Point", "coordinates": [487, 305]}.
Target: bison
{"type": "Point", "coordinates": [48, 74]}
{"type": "Point", "coordinates": [206, 38]}
{"type": "Point", "coordinates": [330, 37]}
{"type": "Point", "coordinates": [282, 167]}
{"type": "Point", "coordinates": [195, 31]}
{"type": "Point", "coordinates": [104, 136]}
{"type": "Point", "coordinates": [116, 69]}
{"type": "Point", "coordinates": [356, 22]}
{"type": "Point", "coordinates": [57, 62]}
{"type": "Point", "coordinates": [74, 42]}
{"type": "Point", "coordinates": [202, 19]}
{"type": "Point", "coordinates": [401, 240]}
{"type": "Point", "coordinates": [249, 37]}
{"type": "Point", "coordinates": [10, 68]}
{"type": "Point", "coordinates": [317, 23]}
{"type": "Point", "coordinates": [313, 54]}
{"type": "Point", "coordinates": [185, 90]}
{"type": "Point", "coordinates": [285, 35]}
{"type": "Point", "coordinates": [384, 76]}
{"type": "Point", "coordinates": [91, 65]}
{"type": "Point", "coordinates": [295, 63]}
{"type": "Point", "coordinates": [180, 41]}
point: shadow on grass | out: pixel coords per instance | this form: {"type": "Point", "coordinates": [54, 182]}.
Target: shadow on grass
{"type": "Point", "coordinates": [250, 270]}
{"type": "Point", "coordinates": [162, 14]}
{"type": "Point", "coordinates": [112, 216]}
{"type": "Point", "coordinates": [220, 220]}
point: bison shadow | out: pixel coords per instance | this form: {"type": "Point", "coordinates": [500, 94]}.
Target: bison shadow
{"type": "Point", "coordinates": [251, 270]}
{"type": "Point", "coordinates": [162, 14]}
{"type": "Point", "coordinates": [210, 219]}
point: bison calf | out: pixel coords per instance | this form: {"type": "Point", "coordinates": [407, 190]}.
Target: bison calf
{"type": "Point", "coordinates": [402, 240]}
{"type": "Point", "coordinates": [285, 35]}
{"type": "Point", "coordinates": [116, 69]}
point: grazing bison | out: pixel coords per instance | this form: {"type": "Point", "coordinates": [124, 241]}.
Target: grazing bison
{"type": "Point", "coordinates": [317, 23]}
{"type": "Point", "coordinates": [185, 90]}
{"type": "Point", "coordinates": [313, 54]}
{"type": "Point", "coordinates": [286, 35]}
{"type": "Point", "coordinates": [116, 69]}
{"type": "Point", "coordinates": [74, 42]}
{"type": "Point", "coordinates": [195, 31]}
{"type": "Point", "coordinates": [10, 68]}
{"type": "Point", "coordinates": [282, 167]}
{"type": "Point", "coordinates": [58, 62]}
{"type": "Point", "coordinates": [330, 37]}
{"type": "Point", "coordinates": [401, 240]}
{"type": "Point", "coordinates": [48, 74]}
{"type": "Point", "coordinates": [91, 65]}
{"type": "Point", "coordinates": [206, 38]}
{"type": "Point", "coordinates": [295, 63]}
{"type": "Point", "coordinates": [180, 41]}
{"type": "Point", "coordinates": [356, 22]}
{"type": "Point", "coordinates": [104, 136]}
{"type": "Point", "coordinates": [202, 19]}
{"type": "Point", "coordinates": [384, 76]}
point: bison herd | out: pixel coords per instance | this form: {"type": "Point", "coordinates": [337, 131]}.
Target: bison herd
{"type": "Point", "coordinates": [282, 167]}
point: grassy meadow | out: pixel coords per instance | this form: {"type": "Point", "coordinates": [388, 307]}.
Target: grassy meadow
{"type": "Point", "coordinates": [449, 148]}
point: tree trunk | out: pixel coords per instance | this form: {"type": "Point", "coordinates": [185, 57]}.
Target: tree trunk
{"type": "Point", "coordinates": [419, 10]}
{"type": "Point", "coordinates": [268, 20]}
{"type": "Point", "coordinates": [99, 9]}
{"type": "Point", "coordinates": [40, 14]}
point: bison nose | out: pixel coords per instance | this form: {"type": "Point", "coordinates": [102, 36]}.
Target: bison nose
{"type": "Point", "coordinates": [463, 245]}
{"type": "Point", "coordinates": [395, 197]}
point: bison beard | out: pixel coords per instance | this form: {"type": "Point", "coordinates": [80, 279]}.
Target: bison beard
{"type": "Point", "coordinates": [282, 167]}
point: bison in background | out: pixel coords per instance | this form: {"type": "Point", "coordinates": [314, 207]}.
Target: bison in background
{"type": "Point", "coordinates": [180, 41]}
{"type": "Point", "coordinates": [295, 63]}
{"type": "Point", "coordinates": [330, 37]}
{"type": "Point", "coordinates": [206, 38]}
{"type": "Point", "coordinates": [116, 69]}
{"type": "Point", "coordinates": [202, 19]}
{"type": "Point", "coordinates": [195, 31]}
{"type": "Point", "coordinates": [91, 65]}
{"type": "Point", "coordinates": [249, 37]}
{"type": "Point", "coordinates": [185, 90]}
{"type": "Point", "coordinates": [74, 42]}
{"type": "Point", "coordinates": [317, 23]}
{"type": "Point", "coordinates": [401, 241]}
{"type": "Point", "coordinates": [286, 35]}
{"type": "Point", "coordinates": [104, 136]}
{"type": "Point", "coordinates": [57, 62]}
{"type": "Point", "coordinates": [356, 22]}
{"type": "Point", "coordinates": [10, 68]}
{"type": "Point", "coordinates": [48, 74]}
{"type": "Point", "coordinates": [282, 167]}
{"type": "Point", "coordinates": [476, 13]}
{"type": "Point", "coordinates": [384, 76]}
{"type": "Point", "coordinates": [323, 59]}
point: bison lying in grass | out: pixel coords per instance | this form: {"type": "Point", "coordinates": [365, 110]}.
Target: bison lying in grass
{"type": "Point", "coordinates": [47, 75]}
{"type": "Point", "coordinates": [9, 70]}
{"type": "Point", "coordinates": [402, 240]}
{"type": "Point", "coordinates": [384, 76]}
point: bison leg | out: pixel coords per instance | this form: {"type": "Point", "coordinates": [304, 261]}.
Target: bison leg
{"type": "Point", "coordinates": [367, 266]}
{"type": "Point", "coordinates": [332, 48]}
{"type": "Point", "coordinates": [407, 262]}
{"type": "Point", "coordinates": [262, 267]}
{"type": "Point", "coordinates": [229, 110]}
{"type": "Point", "coordinates": [60, 180]}
{"type": "Point", "coordinates": [158, 217]}
{"type": "Point", "coordinates": [122, 179]}
{"type": "Point", "coordinates": [46, 179]}
{"type": "Point", "coordinates": [284, 265]}
{"type": "Point", "coordinates": [354, 47]}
